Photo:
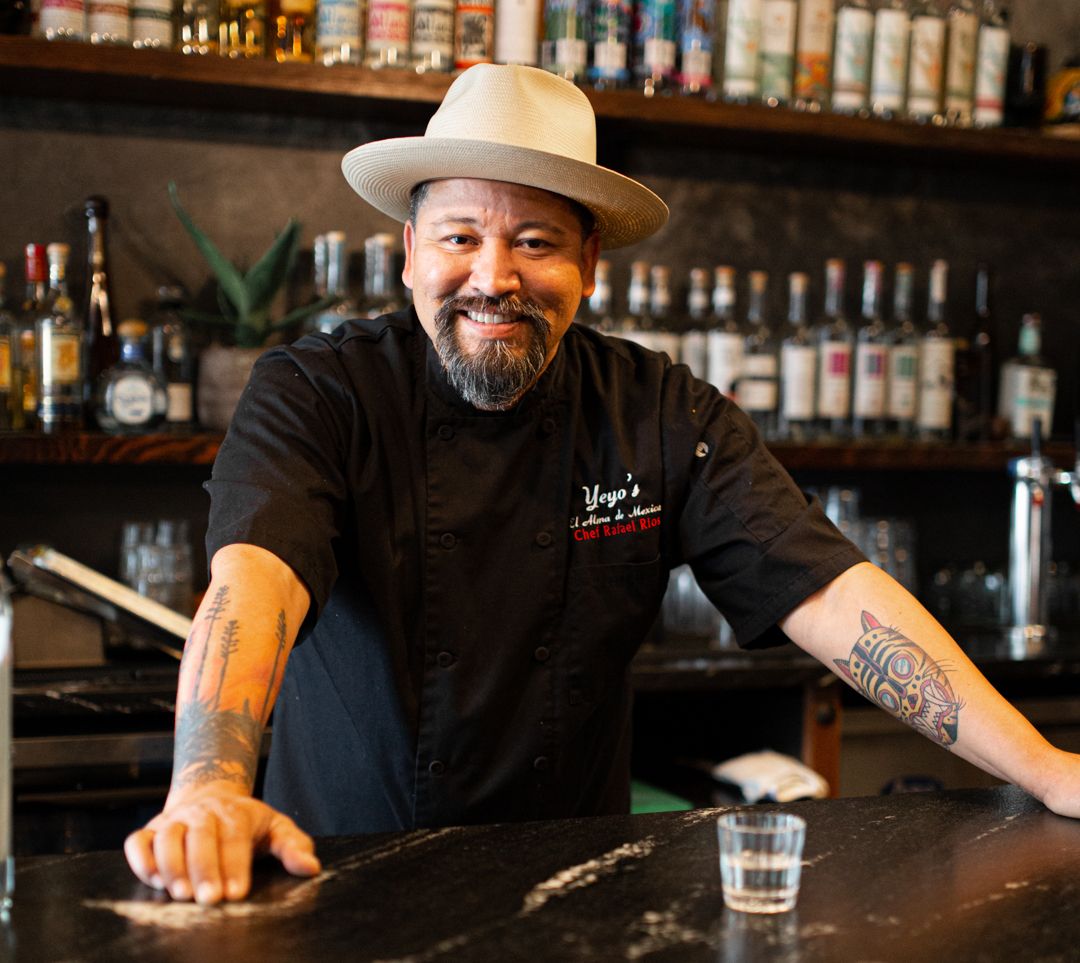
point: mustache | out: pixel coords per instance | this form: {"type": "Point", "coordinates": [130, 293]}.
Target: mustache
{"type": "Point", "coordinates": [522, 308]}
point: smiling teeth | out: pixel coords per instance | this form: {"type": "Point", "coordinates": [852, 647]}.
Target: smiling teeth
{"type": "Point", "coordinates": [488, 318]}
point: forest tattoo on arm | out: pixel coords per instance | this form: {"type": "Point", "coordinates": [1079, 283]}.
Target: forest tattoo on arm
{"type": "Point", "coordinates": [216, 742]}
{"type": "Point", "coordinates": [898, 675]}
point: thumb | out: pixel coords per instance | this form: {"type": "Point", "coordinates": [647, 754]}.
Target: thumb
{"type": "Point", "coordinates": [292, 846]}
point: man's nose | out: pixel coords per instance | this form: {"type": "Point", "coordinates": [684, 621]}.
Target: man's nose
{"type": "Point", "coordinates": [494, 270]}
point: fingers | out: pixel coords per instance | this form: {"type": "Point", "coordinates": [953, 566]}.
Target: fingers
{"type": "Point", "coordinates": [291, 845]}
{"type": "Point", "coordinates": [139, 850]}
{"type": "Point", "coordinates": [170, 854]}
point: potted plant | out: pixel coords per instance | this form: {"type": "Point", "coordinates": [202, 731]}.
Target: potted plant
{"type": "Point", "coordinates": [245, 300]}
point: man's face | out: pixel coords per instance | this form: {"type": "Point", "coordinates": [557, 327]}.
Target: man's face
{"type": "Point", "coordinates": [497, 272]}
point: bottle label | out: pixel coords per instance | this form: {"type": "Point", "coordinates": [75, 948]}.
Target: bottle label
{"type": "Point", "coordinates": [814, 51]}
{"type": "Point", "coordinates": [696, 43]}
{"type": "Point", "coordinates": [936, 380]}
{"type": "Point", "coordinates": [151, 22]}
{"type": "Point", "coordinates": [990, 72]}
{"type": "Point", "coordinates": [742, 48]}
{"type": "Point", "coordinates": [777, 48]}
{"type": "Point", "coordinates": [870, 370]}
{"type": "Point", "coordinates": [337, 24]}
{"type": "Point", "coordinates": [180, 409]}
{"type": "Point", "coordinates": [657, 28]}
{"type": "Point", "coordinates": [851, 71]}
{"type": "Point", "coordinates": [694, 353]}
{"type": "Point", "coordinates": [834, 382]}
{"type": "Point", "coordinates": [725, 360]}
{"type": "Point", "coordinates": [5, 364]}
{"type": "Point", "coordinates": [889, 70]}
{"type": "Point", "coordinates": [433, 31]}
{"type": "Point", "coordinates": [109, 19]}
{"type": "Point", "coordinates": [611, 40]}
{"type": "Point", "coordinates": [515, 31]}
{"type": "Point", "coordinates": [927, 54]}
{"type": "Point", "coordinates": [660, 54]}
{"type": "Point", "coordinates": [960, 62]}
{"type": "Point", "coordinates": [60, 359]}
{"type": "Point", "coordinates": [757, 389]}
{"type": "Point", "coordinates": [63, 17]}
{"type": "Point", "coordinates": [798, 362]}
{"type": "Point", "coordinates": [564, 49]}
{"type": "Point", "coordinates": [474, 35]}
{"type": "Point", "coordinates": [1034, 389]}
{"type": "Point", "coordinates": [903, 381]}
{"type": "Point", "coordinates": [388, 26]}
{"type": "Point", "coordinates": [131, 400]}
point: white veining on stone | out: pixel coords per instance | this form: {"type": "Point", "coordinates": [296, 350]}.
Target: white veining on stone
{"type": "Point", "coordinates": [392, 848]}
{"type": "Point", "coordinates": [584, 874]}
{"type": "Point", "coordinates": [817, 859]}
{"type": "Point", "coordinates": [449, 945]}
{"type": "Point", "coordinates": [694, 816]}
{"type": "Point", "coordinates": [814, 930]}
{"type": "Point", "coordinates": [661, 931]}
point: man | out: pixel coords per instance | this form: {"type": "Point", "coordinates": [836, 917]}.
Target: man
{"type": "Point", "coordinates": [466, 514]}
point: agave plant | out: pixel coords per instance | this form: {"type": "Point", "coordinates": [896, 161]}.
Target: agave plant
{"type": "Point", "coordinates": [245, 298]}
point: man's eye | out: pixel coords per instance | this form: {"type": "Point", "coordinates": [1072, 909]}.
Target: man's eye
{"type": "Point", "coordinates": [457, 240]}
{"type": "Point", "coordinates": [534, 243]}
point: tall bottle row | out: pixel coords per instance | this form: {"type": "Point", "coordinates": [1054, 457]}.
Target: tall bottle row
{"type": "Point", "coordinates": [874, 374]}
{"type": "Point", "coordinates": [931, 61]}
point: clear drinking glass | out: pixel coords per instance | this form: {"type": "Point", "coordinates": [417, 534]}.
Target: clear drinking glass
{"type": "Point", "coordinates": [760, 860]}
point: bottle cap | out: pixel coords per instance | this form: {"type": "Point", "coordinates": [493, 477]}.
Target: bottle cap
{"type": "Point", "coordinates": [37, 268]}
{"type": "Point", "coordinates": [798, 282]}
{"type": "Point", "coordinates": [759, 280]}
{"type": "Point", "coordinates": [97, 206]}
{"type": "Point", "coordinates": [132, 328]}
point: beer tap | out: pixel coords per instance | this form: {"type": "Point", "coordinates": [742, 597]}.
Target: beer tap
{"type": "Point", "coordinates": [1034, 478]}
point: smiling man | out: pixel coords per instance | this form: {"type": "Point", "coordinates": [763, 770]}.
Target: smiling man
{"type": "Point", "coordinates": [438, 537]}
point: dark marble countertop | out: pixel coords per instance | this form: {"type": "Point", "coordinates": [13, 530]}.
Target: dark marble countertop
{"type": "Point", "coordinates": [982, 875]}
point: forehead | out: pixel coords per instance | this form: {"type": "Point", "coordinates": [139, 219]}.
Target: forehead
{"type": "Point", "coordinates": [473, 198]}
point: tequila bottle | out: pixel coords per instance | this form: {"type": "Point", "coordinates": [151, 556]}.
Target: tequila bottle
{"type": "Point", "coordinates": [565, 50]}
{"type": "Point", "coordinates": [851, 63]}
{"type": "Point", "coordinates": [778, 19]}
{"type": "Point", "coordinates": [595, 312]}
{"type": "Point", "coordinates": [130, 397]}
{"type": "Point", "coordinates": [62, 20]}
{"type": "Point", "coordinates": [109, 21]}
{"type": "Point", "coordinates": [433, 36]}
{"type": "Point", "coordinates": [152, 24]}
{"type": "Point", "coordinates": [813, 54]}
{"type": "Point", "coordinates": [902, 391]}
{"type": "Point", "coordinates": [637, 325]}
{"type": "Point", "coordinates": [696, 29]}
{"type": "Point", "coordinates": [24, 360]}
{"type": "Point", "coordinates": [926, 62]}
{"type": "Point", "coordinates": [173, 358]}
{"type": "Point", "coordinates": [835, 341]}
{"type": "Point", "coordinates": [516, 31]}
{"type": "Point", "coordinates": [991, 66]}
{"type": "Point", "coordinates": [798, 367]}
{"type": "Point", "coordinates": [292, 31]}
{"type": "Point", "coordinates": [742, 51]}
{"type": "Point", "coordinates": [332, 278]}
{"type": "Point", "coordinates": [388, 25]}
{"type": "Point", "coordinates": [339, 37]}
{"type": "Point", "coordinates": [962, 31]}
{"type": "Point", "coordinates": [381, 294]}
{"type": "Point", "coordinates": [610, 30]}
{"type": "Point", "coordinates": [1028, 384]}
{"type": "Point", "coordinates": [724, 342]}
{"type": "Point", "coordinates": [58, 347]}
{"type": "Point", "coordinates": [655, 46]}
{"type": "Point", "coordinates": [757, 388]}
{"type": "Point", "coordinates": [936, 363]}
{"type": "Point", "coordinates": [694, 350]}
{"type": "Point", "coordinates": [871, 359]}
{"type": "Point", "coordinates": [242, 29]}
{"type": "Point", "coordinates": [975, 367]}
{"type": "Point", "coordinates": [474, 33]}
{"type": "Point", "coordinates": [9, 339]}
{"type": "Point", "coordinates": [665, 334]}
{"type": "Point", "coordinates": [889, 62]}
{"type": "Point", "coordinates": [198, 26]}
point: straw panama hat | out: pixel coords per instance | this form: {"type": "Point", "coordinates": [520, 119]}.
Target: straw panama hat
{"type": "Point", "coordinates": [509, 123]}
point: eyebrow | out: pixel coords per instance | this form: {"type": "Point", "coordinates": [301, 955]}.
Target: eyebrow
{"type": "Point", "coordinates": [523, 226]}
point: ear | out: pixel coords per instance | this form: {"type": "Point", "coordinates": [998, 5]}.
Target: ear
{"type": "Point", "coordinates": [869, 622]}
{"type": "Point", "coordinates": [590, 254]}
{"type": "Point", "coordinates": [409, 237]}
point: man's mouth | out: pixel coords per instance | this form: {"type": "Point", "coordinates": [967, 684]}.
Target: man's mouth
{"type": "Point", "coordinates": [485, 318]}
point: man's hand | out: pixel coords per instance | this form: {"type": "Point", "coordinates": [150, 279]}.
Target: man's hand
{"type": "Point", "coordinates": [202, 845]}
{"type": "Point", "coordinates": [1061, 784]}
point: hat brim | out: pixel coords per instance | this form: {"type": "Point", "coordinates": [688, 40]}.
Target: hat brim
{"type": "Point", "coordinates": [384, 173]}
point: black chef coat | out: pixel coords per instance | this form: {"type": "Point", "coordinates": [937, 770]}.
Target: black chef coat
{"type": "Point", "coordinates": [480, 580]}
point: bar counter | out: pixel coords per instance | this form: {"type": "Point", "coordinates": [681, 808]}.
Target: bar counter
{"type": "Point", "coordinates": [974, 875]}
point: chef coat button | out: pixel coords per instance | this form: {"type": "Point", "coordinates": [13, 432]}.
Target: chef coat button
{"type": "Point", "coordinates": [447, 540]}
{"type": "Point", "coordinates": [445, 432]}
{"type": "Point", "coordinates": [542, 653]}
{"type": "Point", "coordinates": [548, 426]}
{"type": "Point", "coordinates": [541, 763]}
{"type": "Point", "coordinates": [543, 539]}
{"type": "Point", "coordinates": [437, 767]}
{"type": "Point", "coordinates": [445, 659]}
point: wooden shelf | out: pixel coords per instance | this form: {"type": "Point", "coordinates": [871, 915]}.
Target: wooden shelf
{"type": "Point", "coordinates": [91, 448]}
{"type": "Point", "coordinates": [38, 68]}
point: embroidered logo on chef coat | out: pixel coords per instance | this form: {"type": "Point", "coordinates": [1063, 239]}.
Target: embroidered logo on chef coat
{"type": "Point", "coordinates": [613, 511]}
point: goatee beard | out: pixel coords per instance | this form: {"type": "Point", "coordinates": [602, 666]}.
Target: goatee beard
{"type": "Point", "coordinates": [495, 375]}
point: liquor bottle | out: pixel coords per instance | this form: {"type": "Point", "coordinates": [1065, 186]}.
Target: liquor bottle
{"type": "Point", "coordinates": [851, 62]}
{"type": "Point", "coordinates": [102, 347]}
{"type": "Point", "coordinates": [109, 21]}
{"type": "Point", "coordinates": [62, 20]}
{"type": "Point", "coordinates": [152, 24]}
{"type": "Point", "coordinates": [130, 398]}
{"type": "Point", "coordinates": [975, 367]}
{"type": "Point", "coordinates": [778, 19]}
{"type": "Point", "coordinates": [198, 27]}
{"type": "Point", "coordinates": [798, 367]}
{"type": "Point", "coordinates": [813, 54]}
{"type": "Point", "coordinates": [757, 388]}
{"type": "Point", "coordinates": [173, 358]}
{"type": "Point", "coordinates": [936, 363]}
{"type": "Point", "coordinates": [1028, 384]}
{"type": "Point", "coordinates": [962, 31]}
{"type": "Point", "coordinates": [516, 32]}
{"type": "Point", "coordinates": [381, 295]}
{"type": "Point", "coordinates": [474, 33]}
{"type": "Point", "coordinates": [903, 379]}
{"type": "Point", "coordinates": [610, 34]}
{"type": "Point", "coordinates": [637, 323]}
{"type": "Point", "coordinates": [991, 66]}
{"type": "Point", "coordinates": [926, 62]}
{"type": "Point", "coordinates": [24, 411]}
{"type": "Point", "coordinates": [742, 51]}
{"type": "Point", "coordinates": [388, 23]}
{"type": "Point", "coordinates": [889, 61]}
{"type": "Point", "coordinates": [725, 339]}
{"type": "Point", "coordinates": [292, 31]}
{"type": "Point", "coordinates": [9, 339]}
{"type": "Point", "coordinates": [433, 36]}
{"type": "Point", "coordinates": [666, 336]}
{"type": "Point", "coordinates": [565, 49]}
{"type": "Point", "coordinates": [242, 29]}
{"type": "Point", "coordinates": [339, 37]}
{"type": "Point", "coordinates": [332, 278]}
{"type": "Point", "coordinates": [58, 346]}
{"type": "Point", "coordinates": [696, 29]}
{"type": "Point", "coordinates": [871, 360]}
{"type": "Point", "coordinates": [595, 311]}
{"type": "Point", "coordinates": [694, 351]}
{"type": "Point", "coordinates": [836, 342]}
{"type": "Point", "coordinates": [654, 46]}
